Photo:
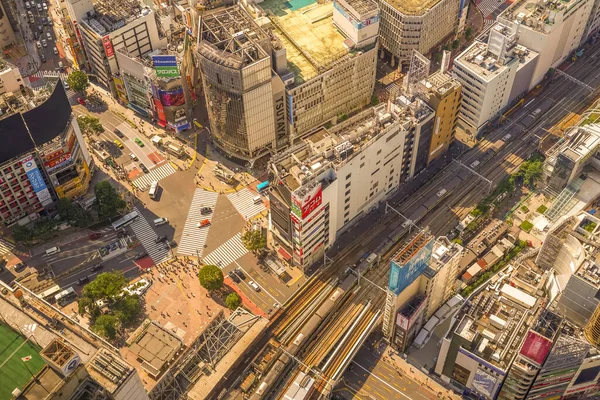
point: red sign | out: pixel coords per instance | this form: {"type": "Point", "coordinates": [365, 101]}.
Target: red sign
{"type": "Point", "coordinates": [160, 111]}
{"type": "Point", "coordinates": [304, 206]}
{"type": "Point", "coordinates": [536, 347]}
{"type": "Point", "coordinates": [71, 142]}
{"type": "Point", "coordinates": [313, 203]}
{"type": "Point", "coordinates": [108, 48]}
{"type": "Point", "coordinates": [52, 156]}
{"type": "Point", "coordinates": [58, 160]}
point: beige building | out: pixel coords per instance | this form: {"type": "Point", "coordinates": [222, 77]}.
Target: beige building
{"type": "Point", "coordinates": [10, 78]}
{"type": "Point", "coordinates": [7, 35]}
{"type": "Point", "coordinates": [408, 25]}
{"type": "Point", "coordinates": [443, 94]}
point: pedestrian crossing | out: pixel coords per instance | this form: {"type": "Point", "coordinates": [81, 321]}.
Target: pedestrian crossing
{"type": "Point", "coordinates": [156, 174]}
{"type": "Point", "coordinates": [227, 253]}
{"type": "Point", "coordinates": [6, 248]}
{"type": "Point", "coordinates": [193, 238]}
{"type": "Point", "coordinates": [50, 74]}
{"type": "Point", "coordinates": [487, 7]}
{"type": "Point", "coordinates": [243, 201]}
{"type": "Point", "coordinates": [146, 235]}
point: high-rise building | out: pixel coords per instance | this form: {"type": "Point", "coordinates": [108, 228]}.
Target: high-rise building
{"type": "Point", "coordinates": [7, 22]}
{"type": "Point", "coordinates": [10, 78]}
{"type": "Point", "coordinates": [416, 25]}
{"type": "Point", "coordinates": [102, 27]}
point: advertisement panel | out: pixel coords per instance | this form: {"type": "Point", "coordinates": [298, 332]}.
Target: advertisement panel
{"type": "Point", "coordinates": [403, 275]}
{"type": "Point", "coordinates": [536, 347]}
{"type": "Point", "coordinates": [165, 66]}
{"type": "Point", "coordinates": [108, 47]}
{"type": "Point", "coordinates": [402, 322]}
{"type": "Point", "coordinates": [160, 111]}
{"type": "Point", "coordinates": [303, 206]}
{"type": "Point", "coordinates": [37, 181]}
{"type": "Point", "coordinates": [172, 98]}
{"type": "Point", "coordinates": [484, 383]}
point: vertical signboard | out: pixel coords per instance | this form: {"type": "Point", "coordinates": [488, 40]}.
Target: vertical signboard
{"type": "Point", "coordinates": [108, 47]}
{"type": "Point", "coordinates": [165, 66]}
{"type": "Point", "coordinates": [160, 112]}
{"type": "Point", "coordinates": [403, 275]}
{"type": "Point", "coordinates": [172, 98]}
{"type": "Point", "coordinates": [37, 181]}
{"type": "Point", "coordinates": [303, 206]}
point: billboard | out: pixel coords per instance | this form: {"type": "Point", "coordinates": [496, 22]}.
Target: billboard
{"type": "Point", "coordinates": [484, 383]}
{"type": "Point", "coordinates": [403, 275]}
{"type": "Point", "coordinates": [160, 111]}
{"type": "Point", "coordinates": [37, 181]}
{"type": "Point", "coordinates": [172, 98]}
{"type": "Point", "coordinates": [108, 47]}
{"type": "Point", "coordinates": [536, 347]}
{"type": "Point", "coordinates": [303, 206]}
{"type": "Point", "coordinates": [165, 66]}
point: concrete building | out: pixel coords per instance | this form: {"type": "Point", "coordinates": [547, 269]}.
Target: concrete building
{"type": "Point", "coordinates": [44, 157]}
{"type": "Point", "coordinates": [408, 25]}
{"type": "Point", "coordinates": [103, 27]}
{"type": "Point", "coordinates": [336, 175]}
{"type": "Point", "coordinates": [593, 24]}
{"type": "Point", "coordinates": [7, 34]}
{"type": "Point", "coordinates": [553, 29]}
{"type": "Point", "coordinates": [487, 73]}
{"type": "Point", "coordinates": [10, 78]}
{"type": "Point", "coordinates": [444, 95]}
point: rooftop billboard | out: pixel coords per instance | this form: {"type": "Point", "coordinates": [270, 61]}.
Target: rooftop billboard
{"type": "Point", "coordinates": [403, 275]}
{"type": "Point", "coordinates": [536, 347]}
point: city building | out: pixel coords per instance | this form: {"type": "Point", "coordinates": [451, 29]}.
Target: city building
{"type": "Point", "coordinates": [422, 277]}
{"type": "Point", "coordinates": [490, 74]}
{"type": "Point", "coordinates": [593, 23]}
{"type": "Point", "coordinates": [444, 95]}
{"type": "Point", "coordinates": [336, 175]}
{"type": "Point", "coordinates": [408, 25]}
{"type": "Point", "coordinates": [10, 78]}
{"type": "Point", "coordinates": [7, 34]}
{"type": "Point", "coordinates": [44, 158]}
{"type": "Point", "coordinates": [553, 29]}
{"type": "Point", "coordinates": [102, 27]}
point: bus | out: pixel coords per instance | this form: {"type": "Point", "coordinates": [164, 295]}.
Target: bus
{"type": "Point", "coordinates": [153, 190]}
{"type": "Point", "coordinates": [126, 220]}
{"type": "Point", "coordinates": [65, 296]}
{"type": "Point", "coordinates": [262, 186]}
{"type": "Point", "coordinates": [171, 148]}
{"type": "Point", "coordinates": [46, 294]}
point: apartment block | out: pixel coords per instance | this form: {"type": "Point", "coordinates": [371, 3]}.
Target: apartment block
{"type": "Point", "coordinates": [7, 21]}
{"type": "Point", "coordinates": [11, 80]}
{"type": "Point", "coordinates": [408, 25]}
{"type": "Point", "coordinates": [336, 175]}
{"type": "Point", "coordinates": [103, 27]}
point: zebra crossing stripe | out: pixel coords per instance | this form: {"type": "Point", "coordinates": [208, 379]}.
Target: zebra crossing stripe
{"type": "Point", "coordinates": [157, 174]}
{"type": "Point", "coordinates": [243, 201]}
{"type": "Point", "coordinates": [6, 247]}
{"type": "Point", "coordinates": [146, 235]}
{"type": "Point", "coordinates": [193, 238]}
{"type": "Point", "coordinates": [227, 253]}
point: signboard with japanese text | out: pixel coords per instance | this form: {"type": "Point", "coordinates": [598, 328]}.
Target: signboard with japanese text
{"type": "Point", "coordinates": [108, 47]}
{"type": "Point", "coordinates": [303, 206]}
{"type": "Point", "coordinates": [37, 181]}
{"type": "Point", "coordinates": [401, 276]}
{"type": "Point", "coordinates": [172, 98]}
{"type": "Point", "coordinates": [165, 66]}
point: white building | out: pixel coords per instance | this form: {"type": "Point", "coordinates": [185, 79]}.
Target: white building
{"type": "Point", "coordinates": [553, 29]}
{"type": "Point", "coordinates": [10, 78]}
{"type": "Point", "coordinates": [408, 25]}
{"type": "Point", "coordinates": [104, 27]}
{"type": "Point", "coordinates": [488, 72]}
{"type": "Point", "coordinates": [322, 185]}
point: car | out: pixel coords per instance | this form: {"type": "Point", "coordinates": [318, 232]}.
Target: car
{"type": "Point", "coordinates": [234, 278]}
{"type": "Point", "coordinates": [19, 267]}
{"type": "Point", "coordinates": [45, 6]}
{"type": "Point", "coordinates": [36, 35]}
{"type": "Point", "coordinates": [139, 142]}
{"type": "Point", "coordinates": [133, 157]}
{"type": "Point", "coordinates": [66, 85]}
{"type": "Point", "coordinates": [160, 221]}
{"type": "Point", "coordinates": [97, 267]}
{"type": "Point", "coordinates": [160, 239]}
{"type": "Point", "coordinates": [27, 5]}
{"type": "Point", "coordinates": [40, 28]}
{"type": "Point", "coordinates": [43, 58]}
{"type": "Point", "coordinates": [49, 36]}
{"type": "Point", "coordinates": [254, 286]}
{"type": "Point", "coordinates": [55, 50]}
{"type": "Point", "coordinates": [240, 273]}
{"type": "Point", "coordinates": [205, 210]}
{"type": "Point", "coordinates": [203, 223]}
{"type": "Point", "coordinates": [141, 255]}
{"type": "Point", "coordinates": [44, 21]}
{"type": "Point", "coordinates": [44, 43]}
{"type": "Point", "coordinates": [506, 137]}
{"type": "Point", "coordinates": [118, 133]}
{"type": "Point", "coordinates": [83, 280]}
{"type": "Point", "coordinates": [38, 44]}
{"type": "Point", "coordinates": [95, 236]}
{"type": "Point", "coordinates": [121, 233]}
{"type": "Point", "coordinates": [39, 6]}
{"type": "Point", "coordinates": [474, 164]}
{"type": "Point", "coordinates": [143, 168]}
{"type": "Point", "coordinates": [118, 143]}
{"type": "Point", "coordinates": [81, 101]}
{"type": "Point", "coordinates": [50, 22]}
{"type": "Point", "coordinates": [60, 64]}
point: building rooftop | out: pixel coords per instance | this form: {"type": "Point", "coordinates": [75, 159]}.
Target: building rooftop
{"type": "Point", "coordinates": [46, 381]}
{"type": "Point", "coordinates": [443, 251]}
{"type": "Point", "coordinates": [305, 29]}
{"type": "Point", "coordinates": [413, 7]}
{"type": "Point", "coordinates": [156, 346]}
{"type": "Point", "coordinates": [110, 15]}
{"type": "Point", "coordinates": [440, 83]}
{"type": "Point", "coordinates": [360, 7]}
{"type": "Point", "coordinates": [108, 369]}
{"type": "Point", "coordinates": [539, 15]}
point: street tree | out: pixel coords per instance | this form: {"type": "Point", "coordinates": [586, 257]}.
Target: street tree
{"type": "Point", "coordinates": [455, 44]}
{"type": "Point", "coordinates": [87, 305]}
{"type": "Point", "coordinates": [109, 202]}
{"type": "Point", "coordinates": [233, 301]}
{"type": "Point", "coordinates": [106, 286]}
{"type": "Point", "coordinates": [72, 213]}
{"type": "Point", "coordinates": [22, 234]}
{"type": "Point", "coordinates": [468, 32]}
{"type": "Point", "coordinates": [127, 308]}
{"type": "Point", "coordinates": [90, 125]}
{"type": "Point", "coordinates": [211, 277]}
{"type": "Point", "coordinates": [78, 81]}
{"type": "Point", "coordinates": [106, 325]}
{"type": "Point", "coordinates": [254, 241]}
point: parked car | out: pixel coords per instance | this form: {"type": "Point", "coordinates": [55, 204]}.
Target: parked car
{"type": "Point", "coordinates": [27, 5]}
{"type": "Point", "coordinates": [49, 36]}
{"type": "Point", "coordinates": [43, 58]}
{"type": "Point", "coordinates": [240, 273]}
{"type": "Point", "coordinates": [44, 21]}
{"type": "Point", "coordinates": [44, 43]}
{"type": "Point", "coordinates": [83, 280]}
{"type": "Point", "coordinates": [234, 278]}
{"type": "Point", "coordinates": [97, 267]}
{"type": "Point", "coordinates": [160, 239]}
{"type": "Point", "coordinates": [20, 267]}
{"type": "Point", "coordinates": [81, 101]}
{"type": "Point", "coordinates": [118, 133]}
{"type": "Point", "coordinates": [36, 35]}
{"type": "Point", "coordinates": [38, 44]}
{"type": "Point", "coordinates": [95, 235]}
{"type": "Point", "coordinates": [143, 168]}
{"type": "Point", "coordinates": [139, 142]}
{"type": "Point", "coordinates": [55, 50]}
{"type": "Point", "coordinates": [45, 6]}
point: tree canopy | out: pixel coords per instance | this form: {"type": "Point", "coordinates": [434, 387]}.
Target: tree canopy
{"type": "Point", "coordinates": [233, 301]}
{"type": "Point", "coordinates": [128, 308]}
{"type": "Point", "coordinates": [211, 277]}
{"type": "Point", "coordinates": [90, 125]}
{"type": "Point", "coordinates": [78, 81]}
{"type": "Point", "coordinates": [108, 200]}
{"type": "Point", "coordinates": [106, 325]}
{"type": "Point", "coordinates": [72, 213]}
{"type": "Point", "coordinates": [106, 286]}
{"type": "Point", "coordinates": [254, 240]}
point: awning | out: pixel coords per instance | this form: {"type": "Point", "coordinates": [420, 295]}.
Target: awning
{"type": "Point", "coordinates": [286, 256]}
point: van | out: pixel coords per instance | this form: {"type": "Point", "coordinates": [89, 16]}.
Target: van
{"type": "Point", "coordinates": [254, 286]}
{"type": "Point", "coordinates": [53, 250]}
{"type": "Point", "coordinates": [257, 200]}
{"type": "Point", "coordinates": [160, 221]}
{"type": "Point", "coordinates": [153, 190]}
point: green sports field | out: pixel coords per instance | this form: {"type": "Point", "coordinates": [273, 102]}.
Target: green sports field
{"type": "Point", "coordinates": [14, 373]}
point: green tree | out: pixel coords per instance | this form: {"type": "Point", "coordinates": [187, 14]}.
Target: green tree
{"type": "Point", "coordinates": [458, 241]}
{"type": "Point", "coordinates": [437, 57]}
{"type": "Point", "coordinates": [106, 325]}
{"type": "Point", "coordinates": [78, 81]}
{"type": "Point", "coordinates": [233, 301]}
{"type": "Point", "coordinates": [106, 286]}
{"type": "Point", "coordinates": [109, 202]}
{"type": "Point", "coordinates": [374, 100]}
{"type": "Point", "coordinates": [469, 32]}
{"type": "Point", "coordinates": [90, 125]}
{"type": "Point", "coordinates": [128, 308]}
{"type": "Point", "coordinates": [211, 277]}
{"type": "Point", "coordinates": [22, 234]}
{"type": "Point", "coordinates": [532, 172]}
{"type": "Point", "coordinates": [88, 305]}
{"type": "Point", "coordinates": [72, 213]}
{"type": "Point", "coordinates": [455, 44]}
{"type": "Point", "coordinates": [254, 240]}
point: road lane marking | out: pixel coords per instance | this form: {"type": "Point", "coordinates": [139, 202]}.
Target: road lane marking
{"type": "Point", "coordinates": [260, 286]}
{"type": "Point", "coordinates": [382, 381]}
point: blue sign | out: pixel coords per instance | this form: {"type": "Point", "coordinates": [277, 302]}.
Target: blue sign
{"type": "Point", "coordinates": [164, 61]}
{"type": "Point", "coordinates": [37, 182]}
{"type": "Point", "coordinates": [403, 275]}
{"type": "Point", "coordinates": [291, 109]}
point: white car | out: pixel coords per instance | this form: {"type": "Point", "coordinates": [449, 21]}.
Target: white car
{"type": "Point", "coordinates": [55, 50]}
{"type": "Point", "coordinates": [60, 64]}
{"type": "Point", "coordinates": [133, 157]}
{"type": "Point", "coordinates": [44, 43]}
{"type": "Point", "coordinates": [38, 44]}
{"type": "Point", "coordinates": [45, 6]}
{"type": "Point", "coordinates": [49, 36]}
{"type": "Point", "coordinates": [27, 5]}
